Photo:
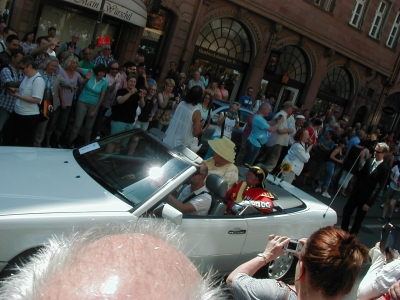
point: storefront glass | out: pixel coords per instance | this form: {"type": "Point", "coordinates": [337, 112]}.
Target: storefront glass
{"type": "Point", "coordinates": [69, 21]}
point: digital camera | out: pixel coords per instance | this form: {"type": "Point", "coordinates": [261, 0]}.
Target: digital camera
{"type": "Point", "coordinates": [293, 246]}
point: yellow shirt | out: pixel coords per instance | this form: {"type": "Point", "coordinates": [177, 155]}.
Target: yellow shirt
{"type": "Point", "coordinates": [229, 172]}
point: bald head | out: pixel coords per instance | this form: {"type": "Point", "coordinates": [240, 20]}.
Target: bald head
{"type": "Point", "coordinates": [126, 266]}
{"type": "Point", "coordinates": [136, 261]}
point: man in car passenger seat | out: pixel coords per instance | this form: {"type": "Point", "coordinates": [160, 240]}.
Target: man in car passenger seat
{"type": "Point", "coordinates": [250, 192]}
{"type": "Point", "coordinates": [195, 198]}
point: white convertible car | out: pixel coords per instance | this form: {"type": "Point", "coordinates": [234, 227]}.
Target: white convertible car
{"type": "Point", "coordinates": [44, 192]}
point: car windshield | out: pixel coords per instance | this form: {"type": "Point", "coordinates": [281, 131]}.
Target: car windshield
{"type": "Point", "coordinates": [131, 165]}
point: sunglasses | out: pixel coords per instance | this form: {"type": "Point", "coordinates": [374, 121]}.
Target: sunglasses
{"type": "Point", "coordinates": [87, 53]}
{"type": "Point", "coordinates": [22, 68]}
{"type": "Point", "coordinates": [379, 152]}
{"type": "Point", "coordinates": [107, 49]}
{"type": "Point", "coordinates": [250, 91]}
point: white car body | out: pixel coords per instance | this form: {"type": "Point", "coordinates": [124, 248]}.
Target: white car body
{"type": "Point", "coordinates": [45, 192]}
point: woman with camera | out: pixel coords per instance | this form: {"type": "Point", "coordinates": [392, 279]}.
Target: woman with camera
{"type": "Point", "coordinates": [329, 263]}
{"type": "Point", "coordinates": [167, 102]}
{"type": "Point", "coordinates": [19, 130]}
{"type": "Point", "coordinates": [227, 123]}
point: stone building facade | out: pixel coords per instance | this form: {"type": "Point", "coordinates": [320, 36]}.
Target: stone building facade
{"type": "Point", "coordinates": [323, 55]}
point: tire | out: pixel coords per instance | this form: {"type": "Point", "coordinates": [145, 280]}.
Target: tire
{"type": "Point", "coordinates": [283, 267]}
{"type": "Point", "coordinates": [16, 262]}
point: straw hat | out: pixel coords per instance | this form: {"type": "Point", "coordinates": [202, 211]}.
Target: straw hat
{"type": "Point", "coordinates": [223, 147]}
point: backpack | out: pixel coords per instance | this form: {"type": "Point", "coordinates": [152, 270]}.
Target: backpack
{"type": "Point", "coordinates": [46, 110]}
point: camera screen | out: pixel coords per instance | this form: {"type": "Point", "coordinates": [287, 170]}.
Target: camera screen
{"type": "Point", "coordinates": [292, 245]}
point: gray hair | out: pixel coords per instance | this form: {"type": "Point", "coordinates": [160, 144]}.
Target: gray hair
{"type": "Point", "coordinates": [264, 105]}
{"type": "Point", "coordinates": [68, 61]}
{"type": "Point", "coordinates": [47, 61]}
{"type": "Point", "coordinates": [383, 146]}
{"type": "Point", "coordinates": [120, 248]}
{"type": "Point", "coordinates": [105, 45]}
{"type": "Point", "coordinates": [360, 133]}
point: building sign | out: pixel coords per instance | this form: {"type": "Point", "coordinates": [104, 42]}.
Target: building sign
{"type": "Point", "coordinates": [332, 98]}
{"type": "Point", "coordinates": [219, 58]}
{"type": "Point", "coordinates": [130, 11]}
{"type": "Point", "coordinates": [388, 110]}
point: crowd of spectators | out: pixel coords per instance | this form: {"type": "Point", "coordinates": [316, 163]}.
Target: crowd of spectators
{"type": "Point", "coordinates": [55, 94]}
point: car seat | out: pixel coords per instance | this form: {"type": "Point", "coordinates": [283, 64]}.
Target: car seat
{"type": "Point", "coordinates": [217, 187]}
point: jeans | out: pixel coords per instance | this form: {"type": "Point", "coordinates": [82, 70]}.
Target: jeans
{"type": "Point", "coordinates": [251, 153]}
{"type": "Point", "coordinates": [83, 109]}
{"type": "Point", "coordinates": [141, 125]}
{"type": "Point", "coordinates": [59, 121]}
{"type": "Point", "coordinates": [4, 115]}
{"type": "Point", "coordinates": [343, 177]}
{"type": "Point", "coordinates": [325, 181]}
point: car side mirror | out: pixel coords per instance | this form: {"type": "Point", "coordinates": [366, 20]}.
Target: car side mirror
{"type": "Point", "coordinates": [170, 213]}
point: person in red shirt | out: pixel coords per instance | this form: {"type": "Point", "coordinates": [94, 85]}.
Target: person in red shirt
{"type": "Point", "coordinates": [250, 192]}
{"type": "Point", "coordinates": [313, 130]}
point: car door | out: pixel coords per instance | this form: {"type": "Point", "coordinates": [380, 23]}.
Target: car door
{"type": "Point", "coordinates": [214, 241]}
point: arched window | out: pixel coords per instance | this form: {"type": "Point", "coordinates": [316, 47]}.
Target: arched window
{"type": "Point", "coordinates": [337, 82]}
{"type": "Point", "coordinates": [293, 60]}
{"type": "Point", "coordinates": [225, 36]}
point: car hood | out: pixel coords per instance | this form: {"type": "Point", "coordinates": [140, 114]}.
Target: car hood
{"type": "Point", "coordinates": [36, 180]}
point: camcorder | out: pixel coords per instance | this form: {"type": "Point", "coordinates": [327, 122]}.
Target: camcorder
{"type": "Point", "coordinates": [293, 246]}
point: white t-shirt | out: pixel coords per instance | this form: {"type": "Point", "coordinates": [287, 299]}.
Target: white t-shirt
{"type": "Point", "coordinates": [202, 202]}
{"type": "Point", "coordinates": [30, 87]}
{"type": "Point", "coordinates": [229, 127]}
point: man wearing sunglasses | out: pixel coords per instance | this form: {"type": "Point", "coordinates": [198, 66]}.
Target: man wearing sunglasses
{"type": "Point", "coordinates": [246, 100]}
{"type": "Point", "coordinates": [105, 57]}
{"type": "Point", "coordinates": [74, 42]}
{"type": "Point", "coordinates": [362, 196]}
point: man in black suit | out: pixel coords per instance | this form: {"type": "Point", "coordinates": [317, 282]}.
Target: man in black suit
{"type": "Point", "coordinates": [374, 172]}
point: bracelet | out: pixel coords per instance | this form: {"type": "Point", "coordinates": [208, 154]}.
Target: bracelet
{"type": "Point", "coordinates": [263, 257]}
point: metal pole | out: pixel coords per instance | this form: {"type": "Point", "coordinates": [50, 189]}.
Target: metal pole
{"type": "Point", "coordinates": [98, 22]}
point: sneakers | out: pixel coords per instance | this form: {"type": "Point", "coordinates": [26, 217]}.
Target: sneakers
{"type": "Point", "coordinates": [381, 219]}
{"type": "Point", "coordinates": [318, 190]}
{"type": "Point", "coordinates": [382, 205]}
{"type": "Point", "coordinates": [396, 209]}
{"type": "Point", "coordinates": [325, 194]}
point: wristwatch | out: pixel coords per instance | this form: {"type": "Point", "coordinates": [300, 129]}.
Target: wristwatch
{"type": "Point", "coordinates": [263, 257]}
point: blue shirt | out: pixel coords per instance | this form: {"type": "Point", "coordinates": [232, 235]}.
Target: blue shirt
{"type": "Point", "coordinates": [353, 142]}
{"type": "Point", "coordinates": [92, 90]}
{"type": "Point", "coordinates": [259, 135]}
{"type": "Point", "coordinates": [245, 101]}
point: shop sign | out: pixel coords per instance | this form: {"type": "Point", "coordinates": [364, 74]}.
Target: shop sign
{"type": "Point", "coordinates": [220, 58]}
{"type": "Point", "coordinates": [388, 110]}
{"type": "Point", "coordinates": [135, 13]}
{"type": "Point", "coordinates": [332, 98]}
{"type": "Point", "coordinates": [102, 40]}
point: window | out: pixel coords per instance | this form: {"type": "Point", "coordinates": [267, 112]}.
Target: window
{"type": "Point", "coordinates": [327, 5]}
{"type": "Point", "coordinates": [377, 24]}
{"type": "Point", "coordinates": [358, 13]}
{"type": "Point", "coordinates": [394, 31]}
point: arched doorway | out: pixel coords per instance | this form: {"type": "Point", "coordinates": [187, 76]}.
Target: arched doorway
{"type": "Point", "coordinates": [390, 116]}
{"type": "Point", "coordinates": [360, 115]}
{"type": "Point", "coordinates": [223, 49]}
{"type": "Point", "coordinates": [334, 92]}
{"type": "Point", "coordinates": [287, 81]}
